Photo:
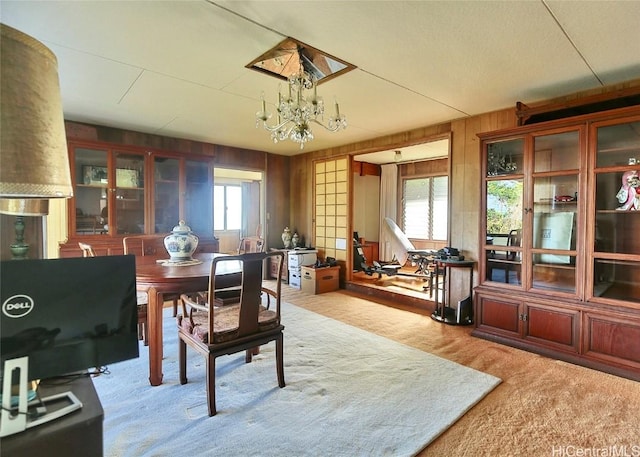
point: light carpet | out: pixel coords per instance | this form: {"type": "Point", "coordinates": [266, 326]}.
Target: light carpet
{"type": "Point", "coordinates": [349, 393]}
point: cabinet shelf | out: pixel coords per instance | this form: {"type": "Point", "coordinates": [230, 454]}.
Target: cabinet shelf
{"type": "Point", "coordinates": [619, 149]}
{"type": "Point", "coordinates": [94, 186]}
{"type": "Point", "coordinates": [553, 203]}
{"type": "Point", "coordinates": [130, 188]}
{"type": "Point", "coordinates": [556, 266]}
{"type": "Point", "coordinates": [616, 211]}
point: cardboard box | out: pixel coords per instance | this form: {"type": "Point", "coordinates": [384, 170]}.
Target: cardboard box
{"type": "Point", "coordinates": [294, 278]}
{"type": "Point", "coordinates": [299, 257]}
{"type": "Point", "coordinates": [320, 280]}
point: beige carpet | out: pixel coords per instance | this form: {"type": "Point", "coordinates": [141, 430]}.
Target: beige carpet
{"type": "Point", "coordinates": [349, 393]}
{"type": "Point", "coordinates": [542, 406]}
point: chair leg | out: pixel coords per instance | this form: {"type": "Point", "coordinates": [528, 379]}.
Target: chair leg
{"type": "Point", "coordinates": [211, 384]}
{"type": "Point", "coordinates": [145, 327]}
{"type": "Point", "coordinates": [280, 360]}
{"type": "Point", "coordinates": [182, 360]}
{"type": "Point", "coordinates": [249, 353]}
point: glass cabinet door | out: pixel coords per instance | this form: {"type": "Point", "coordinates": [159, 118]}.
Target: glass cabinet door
{"type": "Point", "coordinates": [91, 191]}
{"type": "Point", "coordinates": [166, 194]}
{"type": "Point", "coordinates": [555, 212]}
{"type": "Point", "coordinates": [616, 262]}
{"type": "Point", "coordinates": [504, 202]}
{"type": "Point", "coordinates": [129, 193]}
{"type": "Point", "coordinates": [127, 190]}
{"type": "Point", "coordinates": [198, 211]}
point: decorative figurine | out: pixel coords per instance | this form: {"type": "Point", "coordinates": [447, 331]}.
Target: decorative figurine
{"type": "Point", "coordinates": [629, 193]}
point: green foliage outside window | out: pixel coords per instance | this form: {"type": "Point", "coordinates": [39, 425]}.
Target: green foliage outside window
{"type": "Point", "coordinates": [504, 206]}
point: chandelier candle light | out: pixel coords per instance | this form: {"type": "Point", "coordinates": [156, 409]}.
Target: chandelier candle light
{"type": "Point", "coordinates": [296, 111]}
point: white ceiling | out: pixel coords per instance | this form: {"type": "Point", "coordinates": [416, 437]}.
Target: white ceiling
{"type": "Point", "coordinates": [177, 68]}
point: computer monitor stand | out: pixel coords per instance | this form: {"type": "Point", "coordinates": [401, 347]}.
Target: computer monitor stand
{"type": "Point", "coordinates": [16, 419]}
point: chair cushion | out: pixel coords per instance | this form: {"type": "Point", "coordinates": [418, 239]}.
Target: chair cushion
{"type": "Point", "coordinates": [225, 323]}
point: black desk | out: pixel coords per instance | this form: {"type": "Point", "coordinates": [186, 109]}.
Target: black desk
{"type": "Point", "coordinates": [77, 434]}
{"type": "Point", "coordinates": [444, 312]}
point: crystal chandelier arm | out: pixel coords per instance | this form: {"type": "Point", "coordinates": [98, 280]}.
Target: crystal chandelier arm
{"type": "Point", "coordinates": [335, 124]}
{"type": "Point", "coordinates": [273, 128]}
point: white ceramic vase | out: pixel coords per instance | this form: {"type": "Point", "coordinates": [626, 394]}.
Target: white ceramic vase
{"type": "Point", "coordinates": [181, 243]}
{"type": "Point", "coordinates": [286, 238]}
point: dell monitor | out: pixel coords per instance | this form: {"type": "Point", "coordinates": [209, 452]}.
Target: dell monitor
{"type": "Point", "coordinates": [62, 316]}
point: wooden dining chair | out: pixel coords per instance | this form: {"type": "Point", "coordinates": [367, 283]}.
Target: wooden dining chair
{"type": "Point", "coordinates": [251, 244]}
{"type": "Point", "coordinates": [87, 250]}
{"type": "Point", "coordinates": [502, 259]}
{"type": "Point", "coordinates": [222, 330]}
{"type": "Point", "coordinates": [151, 246]}
{"type": "Point", "coordinates": [145, 245]}
{"type": "Point", "coordinates": [141, 298]}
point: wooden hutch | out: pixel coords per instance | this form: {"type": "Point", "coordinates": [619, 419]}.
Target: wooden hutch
{"type": "Point", "coordinates": [560, 245]}
{"type": "Point", "coordinates": [122, 190]}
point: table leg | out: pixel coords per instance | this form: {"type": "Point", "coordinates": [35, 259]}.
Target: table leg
{"type": "Point", "coordinates": [154, 322]}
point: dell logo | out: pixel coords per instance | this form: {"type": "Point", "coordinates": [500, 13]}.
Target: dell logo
{"type": "Point", "coordinates": [17, 306]}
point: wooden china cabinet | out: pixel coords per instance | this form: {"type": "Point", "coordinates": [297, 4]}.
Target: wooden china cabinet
{"type": "Point", "coordinates": [560, 258]}
{"type": "Point", "coordinates": [124, 190]}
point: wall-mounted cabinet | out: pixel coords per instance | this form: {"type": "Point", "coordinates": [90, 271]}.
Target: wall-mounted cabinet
{"type": "Point", "coordinates": [122, 191]}
{"type": "Point", "coordinates": [560, 259]}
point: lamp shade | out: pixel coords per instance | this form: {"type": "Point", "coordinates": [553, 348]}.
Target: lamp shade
{"type": "Point", "coordinates": [33, 150]}
{"type": "Point", "coordinates": [24, 206]}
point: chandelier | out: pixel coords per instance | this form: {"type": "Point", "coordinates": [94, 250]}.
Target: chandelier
{"type": "Point", "coordinates": [297, 110]}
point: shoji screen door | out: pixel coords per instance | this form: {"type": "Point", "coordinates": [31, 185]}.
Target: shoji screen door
{"type": "Point", "coordinates": [331, 208]}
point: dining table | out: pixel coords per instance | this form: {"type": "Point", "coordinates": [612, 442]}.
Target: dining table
{"type": "Point", "coordinates": [160, 277]}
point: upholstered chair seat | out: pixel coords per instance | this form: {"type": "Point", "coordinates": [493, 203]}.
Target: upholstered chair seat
{"type": "Point", "coordinates": [225, 324]}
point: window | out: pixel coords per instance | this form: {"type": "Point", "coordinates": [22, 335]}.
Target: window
{"type": "Point", "coordinates": [227, 207]}
{"type": "Point", "coordinates": [425, 207]}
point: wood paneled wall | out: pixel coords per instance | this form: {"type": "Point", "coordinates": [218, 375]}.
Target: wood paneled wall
{"type": "Point", "coordinates": [424, 168]}
{"type": "Point", "coordinates": [278, 198]}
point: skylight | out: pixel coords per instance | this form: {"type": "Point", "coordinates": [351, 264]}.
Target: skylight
{"type": "Point", "coordinates": [285, 58]}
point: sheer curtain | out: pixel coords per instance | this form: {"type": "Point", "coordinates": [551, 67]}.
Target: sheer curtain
{"type": "Point", "coordinates": [388, 206]}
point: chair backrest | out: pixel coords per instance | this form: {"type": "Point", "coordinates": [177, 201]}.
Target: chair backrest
{"type": "Point", "coordinates": [250, 244]}
{"type": "Point", "coordinates": [515, 239]}
{"type": "Point", "coordinates": [145, 245]}
{"type": "Point", "coordinates": [87, 250]}
{"type": "Point", "coordinates": [251, 288]}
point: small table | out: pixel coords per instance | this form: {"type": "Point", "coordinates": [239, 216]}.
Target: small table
{"type": "Point", "coordinates": [77, 433]}
{"type": "Point", "coordinates": [157, 280]}
{"type": "Point", "coordinates": [463, 315]}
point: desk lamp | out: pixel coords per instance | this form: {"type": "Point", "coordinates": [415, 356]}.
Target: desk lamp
{"type": "Point", "coordinates": [34, 162]}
